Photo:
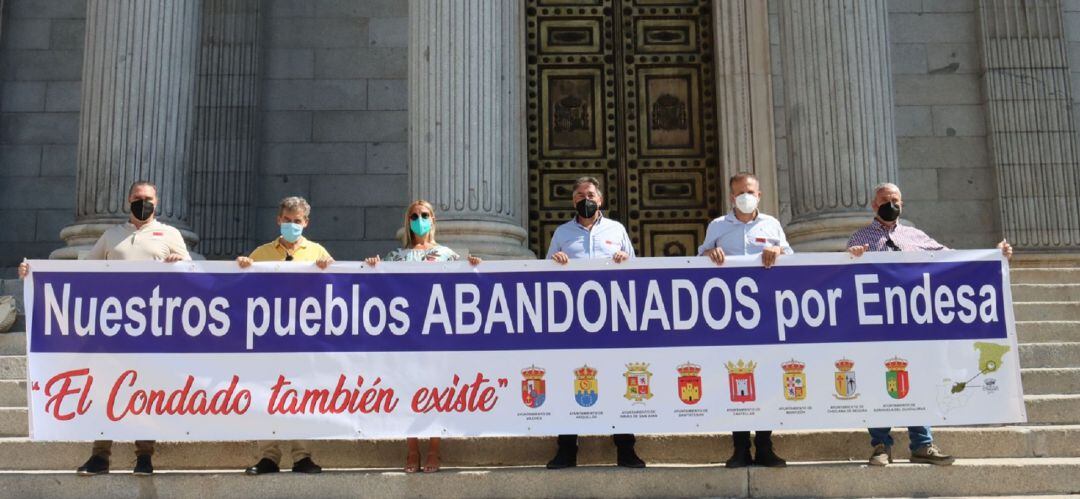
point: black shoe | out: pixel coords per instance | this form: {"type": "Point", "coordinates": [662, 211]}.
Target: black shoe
{"type": "Point", "coordinates": [766, 457]}
{"type": "Point", "coordinates": [263, 466]}
{"type": "Point", "coordinates": [564, 458]}
{"type": "Point", "coordinates": [306, 465]}
{"type": "Point", "coordinates": [740, 458]}
{"type": "Point", "coordinates": [96, 465]}
{"type": "Point", "coordinates": [627, 458]}
{"type": "Point", "coordinates": [143, 466]}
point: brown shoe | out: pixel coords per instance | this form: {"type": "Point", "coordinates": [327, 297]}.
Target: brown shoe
{"type": "Point", "coordinates": [882, 455]}
{"type": "Point", "coordinates": [928, 454]}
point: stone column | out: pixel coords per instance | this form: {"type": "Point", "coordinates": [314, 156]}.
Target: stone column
{"type": "Point", "coordinates": [224, 151]}
{"type": "Point", "coordinates": [1032, 125]}
{"type": "Point", "coordinates": [466, 122]}
{"type": "Point", "coordinates": [744, 95]}
{"type": "Point", "coordinates": [138, 89]}
{"type": "Point", "coordinates": [838, 100]}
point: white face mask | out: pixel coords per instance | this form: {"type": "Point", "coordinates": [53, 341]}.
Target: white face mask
{"type": "Point", "coordinates": [746, 203]}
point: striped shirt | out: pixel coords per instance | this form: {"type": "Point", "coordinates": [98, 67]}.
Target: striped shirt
{"type": "Point", "coordinates": [902, 237]}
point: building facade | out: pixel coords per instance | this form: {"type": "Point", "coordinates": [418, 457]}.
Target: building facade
{"type": "Point", "coordinates": [490, 109]}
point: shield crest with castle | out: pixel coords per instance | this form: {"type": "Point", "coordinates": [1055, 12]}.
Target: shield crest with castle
{"type": "Point", "coordinates": [533, 386]}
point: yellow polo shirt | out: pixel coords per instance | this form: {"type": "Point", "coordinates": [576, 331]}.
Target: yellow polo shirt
{"type": "Point", "coordinates": [304, 251]}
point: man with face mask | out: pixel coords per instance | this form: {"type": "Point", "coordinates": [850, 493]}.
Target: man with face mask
{"type": "Point", "coordinates": [141, 238]}
{"type": "Point", "coordinates": [885, 233]}
{"type": "Point", "coordinates": [746, 231]}
{"type": "Point", "coordinates": [289, 246]}
{"type": "Point", "coordinates": [590, 235]}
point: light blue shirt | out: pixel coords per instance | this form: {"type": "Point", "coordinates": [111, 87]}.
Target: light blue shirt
{"type": "Point", "coordinates": [737, 238]}
{"type": "Point", "coordinates": [605, 239]}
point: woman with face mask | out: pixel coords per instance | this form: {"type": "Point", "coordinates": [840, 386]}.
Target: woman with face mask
{"type": "Point", "coordinates": [418, 245]}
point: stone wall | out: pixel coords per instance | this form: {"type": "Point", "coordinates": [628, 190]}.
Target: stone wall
{"type": "Point", "coordinates": [945, 170]}
{"type": "Point", "coordinates": [40, 68]}
{"type": "Point", "coordinates": [335, 122]}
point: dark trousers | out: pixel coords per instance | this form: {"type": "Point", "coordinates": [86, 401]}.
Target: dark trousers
{"type": "Point", "coordinates": [103, 448]}
{"type": "Point", "coordinates": [621, 440]}
{"type": "Point", "coordinates": [762, 439]}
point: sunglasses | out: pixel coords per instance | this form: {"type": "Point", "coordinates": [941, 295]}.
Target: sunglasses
{"type": "Point", "coordinates": [415, 216]}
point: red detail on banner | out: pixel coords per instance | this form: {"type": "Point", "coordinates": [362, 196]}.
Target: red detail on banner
{"type": "Point", "coordinates": [472, 397]}
{"type": "Point", "coordinates": [183, 402]}
{"type": "Point", "coordinates": [322, 401]}
{"type": "Point", "coordinates": [56, 399]}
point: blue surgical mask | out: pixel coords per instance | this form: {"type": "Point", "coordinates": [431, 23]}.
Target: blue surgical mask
{"type": "Point", "coordinates": [291, 232]}
{"type": "Point", "coordinates": [420, 226]}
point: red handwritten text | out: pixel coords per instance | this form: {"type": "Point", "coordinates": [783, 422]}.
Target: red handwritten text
{"type": "Point", "coordinates": [184, 401]}
{"type": "Point", "coordinates": [322, 401]}
{"type": "Point", "coordinates": [470, 397]}
{"type": "Point", "coordinates": [55, 403]}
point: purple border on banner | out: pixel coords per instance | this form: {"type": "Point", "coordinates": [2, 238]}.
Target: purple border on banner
{"type": "Point", "coordinates": [416, 288]}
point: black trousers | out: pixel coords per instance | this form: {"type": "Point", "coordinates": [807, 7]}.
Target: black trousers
{"type": "Point", "coordinates": [762, 439]}
{"type": "Point", "coordinates": [621, 440]}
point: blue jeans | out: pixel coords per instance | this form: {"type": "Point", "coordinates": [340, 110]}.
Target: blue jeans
{"type": "Point", "coordinates": [919, 435]}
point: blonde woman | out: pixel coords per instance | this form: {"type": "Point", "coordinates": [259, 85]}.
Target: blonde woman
{"type": "Point", "coordinates": [418, 245]}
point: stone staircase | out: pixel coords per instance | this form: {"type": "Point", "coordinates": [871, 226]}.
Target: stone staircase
{"type": "Point", "coordinates": [1039, 457]}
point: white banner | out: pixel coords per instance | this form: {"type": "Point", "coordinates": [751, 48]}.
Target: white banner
{"type": "Point", "coordinates": [205, 351]}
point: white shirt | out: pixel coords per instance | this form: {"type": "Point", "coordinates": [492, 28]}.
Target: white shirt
{"type": "Point", "coordinates": [152, 241]}
{"type": "Point", "coordinates": [750, 238]}
{"type": "Point", "coordinates": [605, 238]}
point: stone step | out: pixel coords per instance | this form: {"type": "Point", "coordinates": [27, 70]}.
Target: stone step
{"type": "Point", "coordinates": [796, 446]}
{"type": "Point", "coordinates": [1047, 331]}
{"type": "Point", "coordinates": [1048, 311]}
{"type": "Point", "coordinates": [967, 477]}
{"type": "Point", "coordinates": [1053, 409]}
{"type": "Point", "coordinates": [1045, 292]}
{"type": "Point", "coordinates": [1048, 381]}
{"type": "Point", "coordinates": [13, 367]}
{"type": "Point", "coordinates": [1050, 355]}
{"type": "Point", "coordinates": [1045, 276]}
{"type": "Point", "coordinates": [12, 393]}
{"type": "Point", "coordinates": [13, 343]}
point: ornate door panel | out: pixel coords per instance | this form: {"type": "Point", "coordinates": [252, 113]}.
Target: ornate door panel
{"type": "Point", "coordinates": [623, 90]}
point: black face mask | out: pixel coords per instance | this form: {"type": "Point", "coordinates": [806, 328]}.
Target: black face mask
{"type": "Point", "coordinates": [586, 208]}
{"type": "Point", "coordinates": [889, 212]}
{"type": "Point", "coordinates": [142, 209]}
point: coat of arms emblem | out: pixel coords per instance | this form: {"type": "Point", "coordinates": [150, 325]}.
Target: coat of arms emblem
{"type": "Point", "coordinates": [794, 380]}
{"type": "Point", "coordinates": [896, 378]}
{"type": "Point", "coordinates": [689, 383]}
{"type": "Point", "coordinates": [845, 380]}
{"type": "Point", "coordinates": [637, 382]}
{"type": "Point", "coordinates": [741, 381]}
{"type": "Point", "coordinates": [533, 387]}
{"type": "Point", "coordinates": [585, 386]}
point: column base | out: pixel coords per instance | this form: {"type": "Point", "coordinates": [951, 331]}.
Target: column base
{"type": "Point", "coordinates": [488, 240]}
{"type": "Point", "coordinates": [80, 239]}
{"type": "Point", "coordinates": [1045, 259]}
{"type": "Point", "coordinates": [825, 234]}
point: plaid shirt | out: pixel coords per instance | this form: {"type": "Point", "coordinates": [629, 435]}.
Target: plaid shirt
{"type": "Point", "coordinates": [902, 237]}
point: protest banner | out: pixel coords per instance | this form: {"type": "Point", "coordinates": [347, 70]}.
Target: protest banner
{"type": "Point", "coordinates": [207, 351]}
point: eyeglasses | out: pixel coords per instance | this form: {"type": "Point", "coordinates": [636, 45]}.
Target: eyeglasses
{"type": "Point", "coordinates": [415, 216]}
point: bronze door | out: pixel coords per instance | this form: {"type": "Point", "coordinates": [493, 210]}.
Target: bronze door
{"type": "Point", "coordinates": [623, 90]}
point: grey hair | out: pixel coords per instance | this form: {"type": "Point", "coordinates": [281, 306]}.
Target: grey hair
{"type": "Point", "coordinates": [885, 185]}
{"type": "Point", "coordinates": [587, 180]}
{"type": "Point", "coordinates": [295, 203]}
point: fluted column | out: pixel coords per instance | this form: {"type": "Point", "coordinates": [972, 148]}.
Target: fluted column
{"type": "Point", "coordinates": [138, 89]}
{"type": "Point", "coordinates": [1032, 125]}
{"type": "Point", "coordinates": [224, 151]}
{"type": "Point", "coordinates": [838, 100]}
{"type": "Point", "coordinates": [466, 123]}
